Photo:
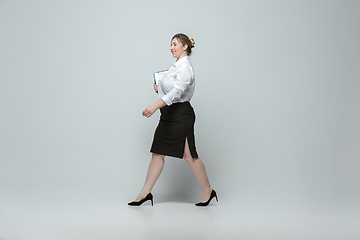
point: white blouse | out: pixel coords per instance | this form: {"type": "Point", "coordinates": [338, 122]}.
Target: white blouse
{"type": "Point", "coordinates": [178, 84]}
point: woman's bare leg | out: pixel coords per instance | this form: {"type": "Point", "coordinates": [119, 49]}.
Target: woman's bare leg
{"type": "Point", "coordinates": [198, 168]}
{"type": "Point", "coordinates": [155, 168]}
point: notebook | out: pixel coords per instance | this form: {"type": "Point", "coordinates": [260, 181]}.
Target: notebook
{"type": "Point", "coordinates": [159, 75]}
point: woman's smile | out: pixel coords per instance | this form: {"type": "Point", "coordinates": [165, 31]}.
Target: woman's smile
{"type": "Point", "coordinates": [177, 49]}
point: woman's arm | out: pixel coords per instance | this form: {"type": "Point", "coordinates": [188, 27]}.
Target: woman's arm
{"type": "Point", "coordinates": [181, 83]}
{"type": "Point", "coordinates": [151, 109]}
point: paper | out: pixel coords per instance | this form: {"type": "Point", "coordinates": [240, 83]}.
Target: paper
{"type": "Point", "coordinates": [159, 75]}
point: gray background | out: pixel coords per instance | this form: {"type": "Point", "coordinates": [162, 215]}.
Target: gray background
{"type": "Point", "coordinates": [277, 105]}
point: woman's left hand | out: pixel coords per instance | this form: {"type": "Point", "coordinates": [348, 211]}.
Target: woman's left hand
{"type": "Point", "coordinates": [149, 111]}
{"type": "Point", "coordinates": [155, 87]}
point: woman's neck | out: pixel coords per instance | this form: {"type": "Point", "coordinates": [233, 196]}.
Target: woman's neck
{"type": "Point", "coordinates": [184, 55]}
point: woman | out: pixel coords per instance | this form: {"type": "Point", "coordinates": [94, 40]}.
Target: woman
{"type": "Point", "coordinates": [174, 135]}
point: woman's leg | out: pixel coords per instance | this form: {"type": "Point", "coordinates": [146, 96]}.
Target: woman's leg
{"type": "Point", "coordinates": [198, 168]}
{"type": "Point", "coordinates": [155, 168]}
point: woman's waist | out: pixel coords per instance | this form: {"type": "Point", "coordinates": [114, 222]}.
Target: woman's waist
{"type": "Point", "coordinates": [177, 111]}
{"type": "Point", "coordinates": [177, 106]}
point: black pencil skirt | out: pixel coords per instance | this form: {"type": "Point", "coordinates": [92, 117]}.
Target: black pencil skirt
{"type": "Point", "coordinates": [175, 126]}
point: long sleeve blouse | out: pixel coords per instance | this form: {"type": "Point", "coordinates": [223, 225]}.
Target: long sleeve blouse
{"type": "Point", "coordinates": [178, 84]}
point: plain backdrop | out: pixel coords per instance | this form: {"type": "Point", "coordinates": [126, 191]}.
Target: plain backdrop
{"type": "Point", "coordinates": [276, 100]}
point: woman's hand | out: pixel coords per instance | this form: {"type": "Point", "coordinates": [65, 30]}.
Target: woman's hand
{"type": "Point", "coordinates": [151, 109]}
{"type": "Point", "coordinates": [156, 88]}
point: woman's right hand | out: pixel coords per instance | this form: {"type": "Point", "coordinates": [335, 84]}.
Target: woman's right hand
{"type": "Point", "coordinates": [156, 88]}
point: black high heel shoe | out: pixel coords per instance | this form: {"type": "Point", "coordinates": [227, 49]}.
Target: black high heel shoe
{"type": "Point", "coordinates": [201, 204]}
{"type": "Point", "coordinates": [148, 197]}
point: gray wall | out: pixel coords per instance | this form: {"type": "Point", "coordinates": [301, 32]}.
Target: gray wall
{"type": "Point", "coordinates": [277, 98]}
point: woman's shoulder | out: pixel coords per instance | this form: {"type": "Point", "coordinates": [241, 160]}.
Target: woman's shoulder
{"type": "Point", "coordinates": [184, 64]}
{"type": "Point", "coordinates": [184, 68]}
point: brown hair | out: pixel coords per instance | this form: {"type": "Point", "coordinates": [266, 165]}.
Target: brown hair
{"type": "Point", "coordinates": [184, 40]}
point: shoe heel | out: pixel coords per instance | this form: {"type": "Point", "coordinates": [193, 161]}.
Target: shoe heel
{"type": "Point", "coordinates": [148, 197]}
{"type": "Point", "coordinates": [213, 194]}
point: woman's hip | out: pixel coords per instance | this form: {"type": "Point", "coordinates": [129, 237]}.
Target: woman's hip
{"type": "Point", "coordinates": [178, 112]}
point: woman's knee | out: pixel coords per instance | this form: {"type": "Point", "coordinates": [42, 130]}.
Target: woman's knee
{"type": "Point", "coordinates": [189, 159]}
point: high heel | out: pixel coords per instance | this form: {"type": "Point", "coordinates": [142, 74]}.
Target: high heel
{"type": "Point", "coordinates": [201, 204]}
{"type": "Point", "coordinates": [148, 197]}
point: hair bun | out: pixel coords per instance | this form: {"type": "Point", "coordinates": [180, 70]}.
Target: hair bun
{"type": "Point", "coordinates": [192, 42]}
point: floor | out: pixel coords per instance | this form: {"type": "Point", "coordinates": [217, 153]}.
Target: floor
{"type": "Point", "coordinates": [41, 216]}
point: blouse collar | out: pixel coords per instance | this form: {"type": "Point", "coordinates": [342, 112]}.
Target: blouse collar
{"type": "Point", "coordinates": [183, 59]}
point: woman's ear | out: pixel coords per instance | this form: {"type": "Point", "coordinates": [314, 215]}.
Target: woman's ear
{"type": "Point", "coordinates": [185, 47]}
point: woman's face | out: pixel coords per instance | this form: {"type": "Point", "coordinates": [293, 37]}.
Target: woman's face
{"type": "Point", "coordinates": [177, 49]}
